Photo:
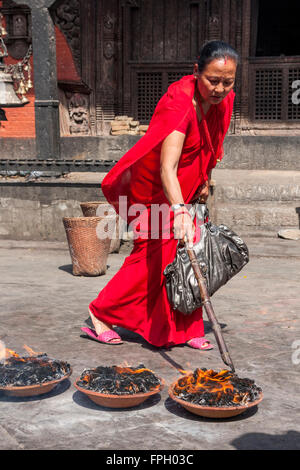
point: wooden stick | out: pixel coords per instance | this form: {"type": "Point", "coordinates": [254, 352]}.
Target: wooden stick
{"type": "Point", "coordinates": [209, 310]}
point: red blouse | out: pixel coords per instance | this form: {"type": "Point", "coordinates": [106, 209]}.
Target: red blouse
{"type": "Point", "coordinates": [137, 174]}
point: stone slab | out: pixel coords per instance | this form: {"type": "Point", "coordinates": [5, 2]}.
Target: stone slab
{"type": "Point", "coordinates": [257, 200]}
{"type": "Point", "coordinates": [261, 152]}
{"type": "Point", "coordinates": [254, 186]}
{"type": "Point", "coordinates": [241, 152]}
{"type": "Point", "coordinates": [260, 215]}
{"type": "Point", "coordinates": [43, 305]}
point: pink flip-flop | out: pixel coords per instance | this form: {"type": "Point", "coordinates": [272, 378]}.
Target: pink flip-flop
{"type": "Point", "coordinates": [197, 343]}
{"type": "Point", "coordinates": [106, 337]}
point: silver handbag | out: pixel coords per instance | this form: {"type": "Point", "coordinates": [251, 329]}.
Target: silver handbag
{"type": "Point", "coordinates": [221, 254]}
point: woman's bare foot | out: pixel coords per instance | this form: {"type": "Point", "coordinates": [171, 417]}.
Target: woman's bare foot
{"type": "Point", "coordinates": [100, 326]}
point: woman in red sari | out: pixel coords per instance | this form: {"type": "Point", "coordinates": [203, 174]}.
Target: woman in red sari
{"type": "Point", "coordinates": [170, 165]}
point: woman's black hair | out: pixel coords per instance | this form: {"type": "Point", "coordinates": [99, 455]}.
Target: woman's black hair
{"type": "Point", "coordinates": [215, 50]}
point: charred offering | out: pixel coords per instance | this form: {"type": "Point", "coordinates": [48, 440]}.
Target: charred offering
{"type": "Point", "coordinates": [218, 389]}
{"type": "Point", "coordinates": [117, 380]}
{"type": "Point", "coordinates": [31, 370]}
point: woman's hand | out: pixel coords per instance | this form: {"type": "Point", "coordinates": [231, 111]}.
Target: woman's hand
{"type": "Point", "coordinates": [203, 192]}
{"type": "Point", "coordinates": [184, 228]}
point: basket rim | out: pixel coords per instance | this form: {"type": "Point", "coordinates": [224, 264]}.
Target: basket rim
{"type": "Point", "coordinates": [95, 202]}
{"type": "Point", "coordinates": [87, 219]}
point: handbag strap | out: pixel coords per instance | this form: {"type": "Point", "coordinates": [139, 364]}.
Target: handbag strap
{"type": "Point", "coordinates": [199, 209]}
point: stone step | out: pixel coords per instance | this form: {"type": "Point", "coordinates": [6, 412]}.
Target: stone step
{"type": "Point", "coordinates": [258, 216]}
{"type": "Point", "coordinates": [268, 152]}
{"type": "Point", "coordinates": [257, 202]}
{"type": "Point", "coordinates": [257, 185]}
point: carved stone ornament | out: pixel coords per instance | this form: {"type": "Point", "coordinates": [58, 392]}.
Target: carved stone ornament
{"type": "Point", "coordinates": [79, 114]}
{"type": "Point", "coordinates": [107, 93]}
{"type": "Point", "coordinates": [109, 22]}
{"type": "Point", "coordinates": [214, 20]}
{"type": "Point", "coordinates": [67, 18]}
{"type": "Point", "coordinates": [108, 51]}
{"type": "Point", "coordinates": [18, 25]}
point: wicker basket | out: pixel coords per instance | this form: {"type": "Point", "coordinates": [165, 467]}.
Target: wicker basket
{"type": "Point", "coordinates": [89, 209]}
{"type": "Point", "coordinates": [88, 252]}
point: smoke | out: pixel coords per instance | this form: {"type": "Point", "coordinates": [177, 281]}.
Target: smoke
{"type": "Point", "coordinates": [2, 352]}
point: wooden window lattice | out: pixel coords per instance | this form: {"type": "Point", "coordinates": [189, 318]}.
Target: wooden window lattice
{"type": "Point", "coordinates": [174, 76]}
{"type": "Point", "coordinates": [268, 94]}
{"type": "Point", "coordinates": [149, 90]}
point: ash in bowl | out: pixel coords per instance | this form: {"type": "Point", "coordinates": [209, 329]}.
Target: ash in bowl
{"type": "Point", "coordinates": [117, 380]}
{"type": "Point", "coordinates": [216, 389]}
{"type": "Point", "coordinates": [23, 371]}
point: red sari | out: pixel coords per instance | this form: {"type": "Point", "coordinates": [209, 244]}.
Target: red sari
{"type": "Point", "coordinates": [136, 298]}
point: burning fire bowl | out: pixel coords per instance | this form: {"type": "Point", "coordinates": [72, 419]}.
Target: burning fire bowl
{"type": "Point", "coordinates": [215, 394]}
{"type": "Point", "coordinates": [119, 401]}
{"type": "Point", "coordinates": [218, 412]}
{"type": "Point", "coordinates": [119, 386]}
{"type": "Point", "coordinates": [31, 375]}
{"type": "Point", "coordinates": [33, 390]}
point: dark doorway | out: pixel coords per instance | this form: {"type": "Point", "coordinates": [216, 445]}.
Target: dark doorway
{"type": "Point", "coordinates": [278, 30]}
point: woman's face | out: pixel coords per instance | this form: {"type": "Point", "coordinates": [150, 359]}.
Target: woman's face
{"type": "Point", "coordinates": [216, 80]}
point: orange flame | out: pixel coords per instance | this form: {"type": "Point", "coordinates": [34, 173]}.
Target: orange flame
{"type": "Point", "coordinates": [185, 372]}
{"type": "Point", "coordinates": [86, 378]}
{"type": "Point", "coordinates": [10, 353]}
{"type": "Point", "coordinates": [30, 351]}
{"type": "Point", "coordinates": [129, 370]}
{"type": "Point", "coordinates": [217, 383]}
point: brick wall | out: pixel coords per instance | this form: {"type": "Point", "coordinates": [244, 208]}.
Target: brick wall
{"type": "Point", "coordinates": [66, 69]}
{"type": "Point", "coordinates": [21, 121]}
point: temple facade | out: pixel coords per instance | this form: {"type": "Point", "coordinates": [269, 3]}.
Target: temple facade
{"type": "Point", "coordinates": [91, 61]}
{"type": "Point", "coordinates": [117, 57]}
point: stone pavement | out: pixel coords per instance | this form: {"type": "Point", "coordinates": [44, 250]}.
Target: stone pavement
{"type": "Point", "coordinates": [43, 305]}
